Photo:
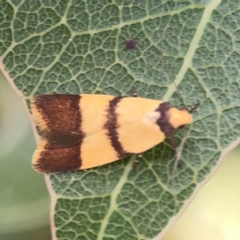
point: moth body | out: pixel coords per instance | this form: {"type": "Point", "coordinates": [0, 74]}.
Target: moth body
{"type": "Point", "coordinates": [86, 131]}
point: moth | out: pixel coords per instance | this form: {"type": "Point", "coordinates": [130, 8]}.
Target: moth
{"type": "Point", "coordinates": [87, 130]}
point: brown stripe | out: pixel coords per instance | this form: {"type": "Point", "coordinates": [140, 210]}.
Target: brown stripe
{"type": "Point", "coordinates": [163, 121]}
{"type": "Point", "coordinates": [63, 118]}
{"type": "Point", "coordinates": [60, 111]}
{"type": "Point", "coordinates": [58, 160]}
{"type": "Point", "coordinates": [112, 127]}
{"type": "Point", "coordinates": [63, 134]}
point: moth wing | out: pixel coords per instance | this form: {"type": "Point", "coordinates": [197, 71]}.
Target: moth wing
{"type": "Point", "coordinates": [135, 132]}
{"type": "Point", "coordinates": [80, 133]}
{"type": "Point", "coordinates": [47, 160]}
{"type": "Point", "coordinates": [64, 119]}
{"type": "Point", "coordinates": [139, 131]}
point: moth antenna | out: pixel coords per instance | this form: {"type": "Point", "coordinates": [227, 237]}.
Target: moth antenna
{"type": "Point", "coordinates": [189, 108]}
{"type": "Point", "coordinates": [193, 107]}
{"type": "Point", "coordinates": [172, 137]}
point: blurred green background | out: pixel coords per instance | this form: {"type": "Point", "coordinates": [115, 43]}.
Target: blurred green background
{"type": "Point", "coordinates": [24, 201]}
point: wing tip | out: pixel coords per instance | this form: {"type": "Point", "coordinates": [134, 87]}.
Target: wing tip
{"type": "Point", "coordinates": [56, 160]}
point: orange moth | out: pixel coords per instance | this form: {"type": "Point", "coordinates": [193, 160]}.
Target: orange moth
{"type": "Point", "coordinates": [86, 131]}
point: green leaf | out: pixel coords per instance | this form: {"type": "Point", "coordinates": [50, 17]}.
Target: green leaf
{"type": "Point", "coordinates": [79, 47]}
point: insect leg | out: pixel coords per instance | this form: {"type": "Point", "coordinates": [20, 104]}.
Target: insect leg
{"type": "Point", "coordinates": [173, 143]}
{"type": "Point", "coordinates": [134, 92]}
{"type": "Point", "coordinates": [136, 161]}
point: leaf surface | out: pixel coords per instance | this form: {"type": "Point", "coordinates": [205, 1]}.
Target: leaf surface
{"type": "Point", "coordinates": [80, 47]}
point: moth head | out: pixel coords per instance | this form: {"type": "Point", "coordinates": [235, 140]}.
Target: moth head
{"type": "Point", "coordinates": [178, 118]}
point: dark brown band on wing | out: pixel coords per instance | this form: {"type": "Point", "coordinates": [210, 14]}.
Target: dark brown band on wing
{"type": "Point", "coordinates": [112, 125]}
{"type": "Point", "coordinates": [58, 160]}
{"type": "Point", "coordinates": [60, 111]}
{"type": "Point", "coordinates": [62, 116]}
{"type": "Point", "coordinates": [63, 119]}
{"type": "Point", "coordinates": [163, 121]}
